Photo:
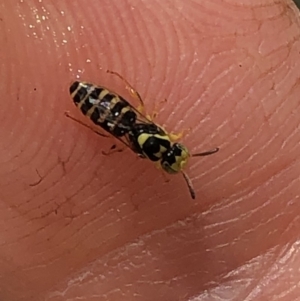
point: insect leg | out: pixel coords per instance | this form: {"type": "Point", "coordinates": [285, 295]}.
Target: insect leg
{"type": "Point", "coordinates": [156, 109]}
{"type": "Point", "coordinates": [131, 90]}
{"type": "Point", "coordinates": [177, 136]}
{"type": "Point", "coordinates": [158, 166]}
{"type": "Point", "coordinates": [189, 185]}
{"type": "Point", "coordinates": [112, 150]}
{"type": "Point", "coordinates": [87, 126]}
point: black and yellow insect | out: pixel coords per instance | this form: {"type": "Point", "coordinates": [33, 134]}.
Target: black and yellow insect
{"type": "Point", "coordinates": [128, 124]}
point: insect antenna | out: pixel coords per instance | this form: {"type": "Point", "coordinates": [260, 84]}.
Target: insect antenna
{"type": "Point", "coordinates": [189, 184]}
{"type": "Point", "coordinates": [188, 180]}
{"type": "Point", "coordinates": [210, 152]}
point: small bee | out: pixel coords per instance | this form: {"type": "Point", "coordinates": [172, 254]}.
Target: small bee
{"type": "Point", "coordinates": [128, 124]}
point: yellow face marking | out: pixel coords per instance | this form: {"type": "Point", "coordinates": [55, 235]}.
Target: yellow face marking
{"type": "Point", "coordinates": [183, 159]}
{"type": "Point", "coordinates": [180, 159]}
{"type": "Point", "coordinates": [179, 164]}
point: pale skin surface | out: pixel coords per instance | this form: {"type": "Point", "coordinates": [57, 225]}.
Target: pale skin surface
{"type": "Point", "coordinates": [98, 227]}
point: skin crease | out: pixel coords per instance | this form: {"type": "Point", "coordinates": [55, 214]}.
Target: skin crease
{"type": "Point", "coordinates": [78, 224]}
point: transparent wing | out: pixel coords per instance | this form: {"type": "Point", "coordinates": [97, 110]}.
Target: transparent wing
{"type": "Point", "coordinates": [107, 116]}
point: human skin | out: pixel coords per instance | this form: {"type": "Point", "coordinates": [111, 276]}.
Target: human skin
{"type": "Point", "coordinates": [78, 224]}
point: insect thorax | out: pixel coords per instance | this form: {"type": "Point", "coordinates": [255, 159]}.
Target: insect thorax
{"type": "Point", "coordinates": [149, 141]}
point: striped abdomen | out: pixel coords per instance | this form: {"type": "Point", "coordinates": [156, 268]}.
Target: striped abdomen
{"type": "Point", "coordinates": [106, 109]}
